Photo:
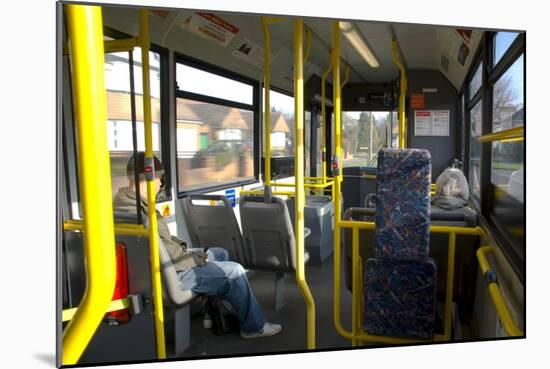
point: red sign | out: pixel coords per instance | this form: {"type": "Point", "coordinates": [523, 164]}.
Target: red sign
{"type": "Point", "coordinates": [220, 22]}
{"type": "Point", "coordinates": [417, 101]}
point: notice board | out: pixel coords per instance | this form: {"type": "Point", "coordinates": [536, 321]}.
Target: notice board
{"type": "Point", "coordinates": [431, 123]}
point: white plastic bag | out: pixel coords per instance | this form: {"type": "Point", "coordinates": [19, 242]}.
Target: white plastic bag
{"type": "Point", "coordinates": [452, 182]}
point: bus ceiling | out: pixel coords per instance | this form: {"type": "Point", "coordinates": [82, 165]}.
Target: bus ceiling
{"type": "Point", "coordinates": [238, 45]}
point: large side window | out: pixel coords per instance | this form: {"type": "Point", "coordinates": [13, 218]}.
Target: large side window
{"type": "Point", "coordinates": [506, 210]}
{"type": "Point", "coordinates": [215, 121]}
{"type": "Point", "coordinates": [120, 125]}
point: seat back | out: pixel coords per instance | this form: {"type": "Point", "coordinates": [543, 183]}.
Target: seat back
{"type": "Point", "coordinates": [172, 292]}
{"type": "Point", "coordinates": [400, 278]}
{"type": "Point", "coordinates": [268, 234]}
{"type": "Point", "coordinates": [403, 204]}
{"type": "Point", "coordinates": [211, 223]}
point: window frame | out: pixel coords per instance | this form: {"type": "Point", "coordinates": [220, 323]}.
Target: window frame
{"type": "Point", "coordinates": [255, 108]}
{"type": "Point", "coordinates": [514, 255]}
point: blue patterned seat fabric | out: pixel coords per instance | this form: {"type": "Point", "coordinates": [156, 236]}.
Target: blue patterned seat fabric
{"type": "Point", "coordinates": [400, 297]}
{"type": "Point", "coordinates": [399, 286]}
{"type": "Point", "coordinates": [403, 204]}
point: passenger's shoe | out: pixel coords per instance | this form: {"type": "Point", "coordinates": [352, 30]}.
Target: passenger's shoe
{"type": "Point", "coordinates": [269, 329]}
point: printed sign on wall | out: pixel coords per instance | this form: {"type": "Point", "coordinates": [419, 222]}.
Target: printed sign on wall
{"type": "Point", "coordinates": [211, 27]}
{"type": "Point", "coordinates": [431, 123]}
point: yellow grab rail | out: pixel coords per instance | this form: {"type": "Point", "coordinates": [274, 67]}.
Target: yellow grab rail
{"type": "Point", "coordinates": [114, 46]}
{"type": "Point", "coordinates": [402, 93]}
{"type": "Point", "coordinates": [120, 228]}
{"type": "Point", "coordinates": [261, 192]}
{"type": "Point", "coordinates": [508, 323]}
{"type": "Point", "coordinates": [511, 134]}
{"type": "Point", "coordinates": [306, 185]}
{"type": "Point", "coordinates": [299, 179]}
{"type": "Point", "coordinates": [336, 189]}
{"type": "Point", "coordinates": [324, 120]}
{"type": "Point", "coordinates": [145, 45]}
{"type": "Point", "coordinates": [115, 305]}
{"type": "Point", "coordinates": [85, 28]}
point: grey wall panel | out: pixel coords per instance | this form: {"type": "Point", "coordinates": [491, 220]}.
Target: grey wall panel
{"type": "Point", "coordinates": [442, 148]}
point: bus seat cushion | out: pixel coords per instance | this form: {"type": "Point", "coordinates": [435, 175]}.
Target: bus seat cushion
{"type": "Point", "coordinates": [403, 204]}
{"type": "Point", "coordinates": [400, 297]}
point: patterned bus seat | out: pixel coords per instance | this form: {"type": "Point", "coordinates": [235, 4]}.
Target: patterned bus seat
{"type": "Point", "coordinates": [399, 288]}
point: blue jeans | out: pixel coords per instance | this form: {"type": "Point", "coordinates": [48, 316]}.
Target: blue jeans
{"type": "Point", "coordinates": [228, 280]}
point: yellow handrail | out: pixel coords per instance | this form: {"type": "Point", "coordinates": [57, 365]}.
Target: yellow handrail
{"type": "Point", "coordinates": [145, 44]}
{"type": "Point", "coordinates": [114, 46]}
{"type": "Point", "coordinates": [120, 228]}
{"type": "Point", "coordinates": [115, 305]}
{"type": "Point", "coordinates": [306, 185]}
{"type": "Point", "coordinates": [402, 93]}
{"type": "Point", "coordinates": [85, 28]}
{"type": "Point", "coordinates": [515, 133]}
{"type": "Point", "coordinates": [262, 192]}
{"type": "Point", "coordinates": [336, 189]}
{"type": "Point", "coordinates": [324, 121]}
{"type": "Point", "coordinates": [508, 323]}
{"type": "Point", "coordinates": [299, 179]}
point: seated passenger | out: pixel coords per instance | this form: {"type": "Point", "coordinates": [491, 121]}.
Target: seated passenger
{"type": "Point", "coordinates": [204, 273]}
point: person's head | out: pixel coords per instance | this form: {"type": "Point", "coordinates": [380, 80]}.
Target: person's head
{"type": "Point", "coordinates": [138, 165]}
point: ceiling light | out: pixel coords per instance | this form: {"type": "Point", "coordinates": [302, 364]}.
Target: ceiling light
{"type": "Point", "coordinates": [360, 44]}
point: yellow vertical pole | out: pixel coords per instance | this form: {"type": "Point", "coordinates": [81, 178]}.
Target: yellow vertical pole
{"type": "Point", "coordinates": [337, 177]}
{"type": "Point", "coordinates": [85, 28]}
{"type": "Point", "coordinates": [299, 178]}
{"type": "Point", "coordinates": [450, 284]}
{"type": "Point", "coordinates": [402, 94]}
{"type": "Point", "coordinates": [355, 287]}
{"type": "Point", "coordinates": [267, 106]}
{"type": "Point", "coordinates": [151, 190]}
{"type": "Point", "coordinates": [324, 121]}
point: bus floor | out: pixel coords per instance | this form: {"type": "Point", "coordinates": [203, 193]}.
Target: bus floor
{"type": "Point", "coordinates": [292, 316]}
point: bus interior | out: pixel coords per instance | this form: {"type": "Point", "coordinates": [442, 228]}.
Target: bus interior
{"type": "Point", "coordinates": [275, 133]}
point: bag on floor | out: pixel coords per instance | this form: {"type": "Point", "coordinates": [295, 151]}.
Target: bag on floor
{"type": "Point", "coordinates": [223, 318]}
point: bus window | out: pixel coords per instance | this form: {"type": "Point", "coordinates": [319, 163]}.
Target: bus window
{"type": "Point", "coordinates": [307, 142]}
{"type": "Point", "coordinates": [209, 84]}
{"type": "Point", "coordinates": [119, 113]}
{"type": "Point", "coordinates": [501, 43]}
{"type": "Point", "coordinates": [475, 83]}
{"type": "Point", "coordinates": [214, 144]}
{"type": "Point", "coordinates": [282, 124]}
{"type": "Point", "coordinates": [363, 135]}
{"type": "Point", "coordinates": [475, 149]}
{"type": "Point", "coordinates": [214, 129]}
{"type": "Point", "coordinates": [508, 112]}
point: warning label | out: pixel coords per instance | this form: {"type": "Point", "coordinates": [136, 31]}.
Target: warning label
{"type": "Point", "coordinates": [211, 27]}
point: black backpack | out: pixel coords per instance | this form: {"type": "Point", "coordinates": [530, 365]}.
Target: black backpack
{"type": "Point", "coordinates": [223, 320]}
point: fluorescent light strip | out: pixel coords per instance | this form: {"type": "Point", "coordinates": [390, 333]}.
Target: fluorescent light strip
{"type": "Point", "coordinates": [359, 43]}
